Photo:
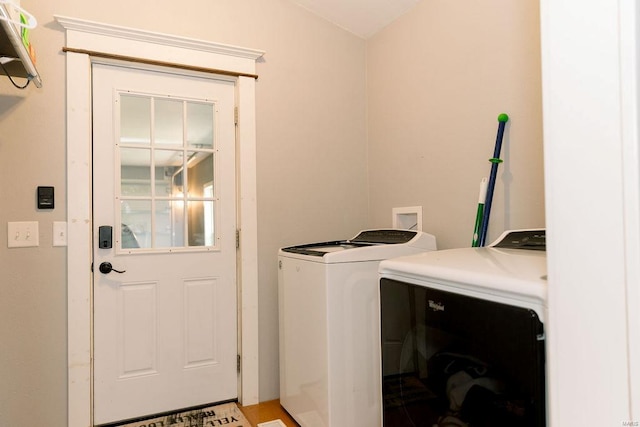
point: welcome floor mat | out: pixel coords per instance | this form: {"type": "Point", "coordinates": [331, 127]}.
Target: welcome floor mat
{"type": "Point", "coordinates": [227, 414]}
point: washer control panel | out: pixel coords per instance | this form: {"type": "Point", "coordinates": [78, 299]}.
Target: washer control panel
{"type": "Point", "coordinates": [387, 237]}
{"type": "Point", "coordinates": [523, 239]}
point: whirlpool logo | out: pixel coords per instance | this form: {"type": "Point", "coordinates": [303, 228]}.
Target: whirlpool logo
{"type": "Point", "coordinates": [436, 306]}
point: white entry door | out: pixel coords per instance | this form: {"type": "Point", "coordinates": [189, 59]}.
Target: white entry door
{"type": "Point", "coordinates": [165, 318]}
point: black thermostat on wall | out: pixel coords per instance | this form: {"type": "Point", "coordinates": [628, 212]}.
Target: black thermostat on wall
{"type": "Point", "coordinates": [45, 198]}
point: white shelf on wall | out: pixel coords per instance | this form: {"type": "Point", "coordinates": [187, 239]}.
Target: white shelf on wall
{"type": "Point", "coordinates": [14, 56]}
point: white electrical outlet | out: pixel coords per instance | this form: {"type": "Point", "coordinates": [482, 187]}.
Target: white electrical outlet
{"type": "Point", "coordinates": [22, 234]}
{"type": "Point", "coordinates": [59, 233]}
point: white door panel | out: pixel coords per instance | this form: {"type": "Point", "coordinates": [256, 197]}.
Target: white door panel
{"type": "Point", "coordinates": [165, 329]}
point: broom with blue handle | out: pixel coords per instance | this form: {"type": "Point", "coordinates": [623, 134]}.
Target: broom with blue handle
{"type": "Point", "coordinates": [495, 161]}
{"type": "Point", "coordinates": [482, 197]}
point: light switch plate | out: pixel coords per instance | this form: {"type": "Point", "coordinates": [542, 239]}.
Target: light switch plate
{"type": "Point", "coordinates": [22, 234]}
{"type": "Point", "coordinates": [59, 233]}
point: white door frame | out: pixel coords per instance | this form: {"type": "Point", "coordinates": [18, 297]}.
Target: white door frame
{"type": "Point", "coordinates": [591, 98]}
{"type": "Point", "coordinates": [92, 36]}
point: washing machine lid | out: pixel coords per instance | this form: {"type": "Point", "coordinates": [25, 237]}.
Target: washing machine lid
{"type": "Point", "coordinates": [368, 245]}
{"type": "Point", "coordinates": [322, 248]}
{"type": "Point", "coordinates": [506, 273]}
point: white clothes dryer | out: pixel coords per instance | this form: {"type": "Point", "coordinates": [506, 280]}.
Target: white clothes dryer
{"type": "Point", "coordinates": [462, 335]}
{"type": "Point", "coordinates": [329, 326]}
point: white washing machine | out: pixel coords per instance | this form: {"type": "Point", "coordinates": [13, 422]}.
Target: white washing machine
{"type": "Point", "coordinates": [329, 326]}
{"type": "Point", "coordinates": [462, 334]}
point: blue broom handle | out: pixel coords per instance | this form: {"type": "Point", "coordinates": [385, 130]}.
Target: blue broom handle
{"type": "Point", "coordinates": [495, 161]}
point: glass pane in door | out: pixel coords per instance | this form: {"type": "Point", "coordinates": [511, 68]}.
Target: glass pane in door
{"type": "Point", "coordinates": [135, 119]}
{"type": "Point", "coordinates": [199, 172]}
{"type": "Point", "coordinates": [201, 216]}
{"type": "Point", "coordinates": [169, 166]}
{"type": "Point", "coordinates": [135, 224]}
{"type": "Point", "coordinates": [200, 125]}
{"type": "Point", "coordinates": [135, 172]}
{"type": "Point", "coordinates": [169, 224]}
{"type": "Point", "coordinates": [168, 121]}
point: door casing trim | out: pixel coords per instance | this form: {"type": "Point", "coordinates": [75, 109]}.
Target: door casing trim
{"type": "Point", "coordinates": [82, 34]}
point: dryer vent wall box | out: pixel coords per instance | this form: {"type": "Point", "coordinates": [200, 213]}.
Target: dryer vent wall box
{"type": "Point", "coordinates": [407, 218]}
{"type": "Point", "coordinates": [329, 334]}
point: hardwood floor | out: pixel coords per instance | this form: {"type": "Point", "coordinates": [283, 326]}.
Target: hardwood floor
{"type": "Point", "coordinates": [267, 411]}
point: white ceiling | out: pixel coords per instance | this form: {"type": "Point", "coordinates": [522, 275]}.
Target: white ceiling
{"type": "Point", "coordinates": [363, 18]}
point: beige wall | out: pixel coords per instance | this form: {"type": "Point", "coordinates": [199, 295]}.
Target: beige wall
{"type": "Point", "coordinates": [437, 79]}
{"type": "Point", "coordinates": [432, 85]}
{"type": "Point", "coordinates": [311, 169]}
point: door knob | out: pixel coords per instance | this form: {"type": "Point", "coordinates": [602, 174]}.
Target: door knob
{"type": "Point", "coordinates": [106, 268]}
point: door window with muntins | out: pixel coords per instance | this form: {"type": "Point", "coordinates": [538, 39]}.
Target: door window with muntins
{"type": "Point", "coordinates": [166, 188]}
